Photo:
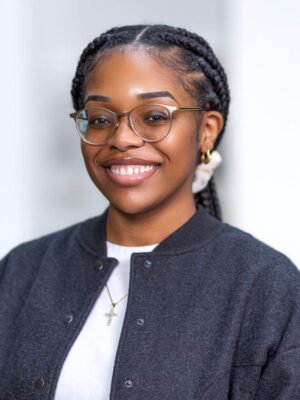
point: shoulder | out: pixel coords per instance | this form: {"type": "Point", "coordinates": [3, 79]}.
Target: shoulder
{"type": "Point", "coordinates": [36, 247]}
{"type": "Point", "coordinates": [31, 253]}
{"type": "Point", "coordinates": [269, 284]}
{"type": "Point", "coordinates": [244, 244]}
{"type": "Point", "coordinates": [250, 256]}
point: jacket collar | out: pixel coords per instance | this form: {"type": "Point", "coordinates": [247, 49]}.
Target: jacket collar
{"type": "Point", "coordinates": [198, 229]}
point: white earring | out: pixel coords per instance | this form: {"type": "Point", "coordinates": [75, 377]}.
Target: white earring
{"type": "Point", "coordinates": [204, 172]}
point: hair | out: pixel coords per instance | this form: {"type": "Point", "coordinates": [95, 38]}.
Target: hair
{"type": "Point", "coordinates": [198, 71]}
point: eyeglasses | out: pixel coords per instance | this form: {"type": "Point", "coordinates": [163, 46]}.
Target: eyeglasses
{"type": "Point", "coordinates": [150, 122]}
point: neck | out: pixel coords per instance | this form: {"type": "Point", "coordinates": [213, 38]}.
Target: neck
{"type": "Point", "coordinates": [148, 227]}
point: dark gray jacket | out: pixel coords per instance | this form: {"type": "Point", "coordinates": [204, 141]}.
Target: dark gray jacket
{"type": "Point", "coordinates": [220, 309]}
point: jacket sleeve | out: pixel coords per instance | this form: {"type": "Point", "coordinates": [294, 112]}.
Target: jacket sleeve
{"type": "Point", "coordinates": [16, 277]}
{"type": "Point", "coordinates": [3, 314]}
{"type": "Point", "coordinates": [280, 378]}
{"type": "Point", "coordinates": [3, 264]}
{"type": "Point", "coordinates": [280, 375]}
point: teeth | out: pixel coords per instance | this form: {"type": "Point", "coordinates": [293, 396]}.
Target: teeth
{"type": "Point", "coordinates": [130, 170]}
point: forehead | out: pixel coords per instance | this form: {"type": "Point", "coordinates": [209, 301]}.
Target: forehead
{"type": "Point", "coordinates": [129, 72]}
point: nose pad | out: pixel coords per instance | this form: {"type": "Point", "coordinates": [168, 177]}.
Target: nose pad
{"type": "Point", "coordinates": [124, 135]}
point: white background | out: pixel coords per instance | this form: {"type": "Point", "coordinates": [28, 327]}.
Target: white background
{"type": "Point", "coordinates": [44, 186]}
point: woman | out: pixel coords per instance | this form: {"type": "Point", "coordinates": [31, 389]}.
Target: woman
{"type": "Point", "coordinates": [156, 298]}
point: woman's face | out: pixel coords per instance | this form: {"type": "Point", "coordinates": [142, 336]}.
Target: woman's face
{"type": "Point", "coordinates": [127, 79]}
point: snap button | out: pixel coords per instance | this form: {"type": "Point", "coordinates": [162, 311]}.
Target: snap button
{"type": "Point", "coordinates": [39, 383]}
{"type": "Point", "coordinates": [128, 383]}
{"type": "Point", "coordinates": [68, 319]}
{"type": "Point", "coordinates": [99, 265]}
{"type": "Point", "coordinates": [140, 321]}
{"type": "Point", "coordinates": [148, 264]}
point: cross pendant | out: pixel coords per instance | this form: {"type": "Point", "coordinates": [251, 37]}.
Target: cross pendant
{"type": "Point", "coordinates": [110, 315]}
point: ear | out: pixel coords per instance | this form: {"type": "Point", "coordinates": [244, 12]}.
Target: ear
{"type": "Point", "coordinates": [211, 124]}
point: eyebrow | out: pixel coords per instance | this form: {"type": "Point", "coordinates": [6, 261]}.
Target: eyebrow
{"type": "Point", "coordinates": [148, 95]}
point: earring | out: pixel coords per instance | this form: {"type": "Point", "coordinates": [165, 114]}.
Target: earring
{"type": "Point", "coordinates": [205, 157]}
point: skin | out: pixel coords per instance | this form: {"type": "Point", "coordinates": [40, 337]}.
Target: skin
{"type": "Point", "coordinates": [150, 211]}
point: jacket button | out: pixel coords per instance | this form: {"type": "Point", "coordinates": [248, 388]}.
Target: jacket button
{"type": "Point", "coordinates": [68, 319]}
{"type": "Point", "coordinates": [148, 264]}
{"type": "Point", "coordinates": [128, 383]}
{"type": "Point", "coordinates": [98, 266]}
{"type": "Point", "coordinates": [140, 321]}
{"type": "Point", "coordinates": [39, 383]}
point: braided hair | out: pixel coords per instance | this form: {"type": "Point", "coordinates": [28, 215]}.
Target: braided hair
{"type": "Point", "coordinates": [198, 70]}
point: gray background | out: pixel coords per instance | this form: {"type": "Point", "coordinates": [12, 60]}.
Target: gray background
{"type": "Point", "coordinates": [44, 183]}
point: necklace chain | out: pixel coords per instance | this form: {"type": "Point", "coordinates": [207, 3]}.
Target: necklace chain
{"type": "Point", "coordinates": [112, 314]}
{"type": "Point", "coordinates": [114, 303]}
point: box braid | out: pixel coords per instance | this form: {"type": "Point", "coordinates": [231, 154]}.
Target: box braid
{"type": "Point", "coordinates": [199, 71]}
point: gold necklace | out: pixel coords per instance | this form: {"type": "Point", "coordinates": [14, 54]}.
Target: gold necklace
{"type": "Point", "coordinates": [112, 314]}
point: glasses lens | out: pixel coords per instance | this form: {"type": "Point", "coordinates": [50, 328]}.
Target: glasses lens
{"type": "Point", "coordinates": [95, 125]}
{"type": "Point", "coordinates": [151, 122]}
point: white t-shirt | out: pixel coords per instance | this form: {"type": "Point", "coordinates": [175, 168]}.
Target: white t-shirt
{"type": "Point", "coordinates": [87, 371]}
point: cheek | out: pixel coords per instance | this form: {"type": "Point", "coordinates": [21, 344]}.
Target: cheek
{"type": "Point", "coordinates": [86, 154]}
{"type": "Point", "coordinates": [181, 147]}
{"type": "Point", "coordinates": [178, 151]}
{"type": "Point", "coordinates": [90, 155]}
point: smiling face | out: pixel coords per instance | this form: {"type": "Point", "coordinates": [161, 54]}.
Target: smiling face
{"type": "Point", "coordinates": [137, 176]}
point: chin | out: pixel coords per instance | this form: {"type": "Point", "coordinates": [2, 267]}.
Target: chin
{"type": "Point", "coordinates": [132, 208]}
{"type": "Point", "coordinates": [133, 204]}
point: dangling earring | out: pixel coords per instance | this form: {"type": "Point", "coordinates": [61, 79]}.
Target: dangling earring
{"type": "Point", "coordinates": [205, 157]}
{"type": "Point", "coordinates": [204, 172]}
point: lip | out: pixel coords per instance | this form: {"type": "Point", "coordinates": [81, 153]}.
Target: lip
{"type": "Point", "coordinates": [129, 161]}
{"type": "Point", "coordinates": [130, 180]}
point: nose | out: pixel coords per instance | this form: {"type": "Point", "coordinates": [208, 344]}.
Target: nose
{"type": "Point", "coordinates": [124, 136]}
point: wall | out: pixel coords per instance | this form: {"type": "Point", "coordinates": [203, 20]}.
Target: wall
{"type": "Point", "coordinates": [263, 179]}
{"type": "Point", "coordinates": [44, 183]}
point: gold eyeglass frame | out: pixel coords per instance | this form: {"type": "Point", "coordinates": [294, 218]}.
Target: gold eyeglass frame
{"type": "Point", "coordinates": [117, 115]}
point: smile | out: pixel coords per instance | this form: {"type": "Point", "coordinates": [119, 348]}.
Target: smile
{"type": "Point", "coordinates": [130, 175]}
{"type": "Point", "coordinates": [131, 169]}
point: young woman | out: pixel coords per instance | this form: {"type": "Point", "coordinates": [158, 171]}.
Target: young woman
{"type": "Point", "coordinates": [156, 298]}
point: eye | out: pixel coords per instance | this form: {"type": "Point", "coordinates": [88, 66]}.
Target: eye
{"type": "Point", "coordinates": [156, 117]}
{"type": "Point", "coordinates": [100, 121]}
